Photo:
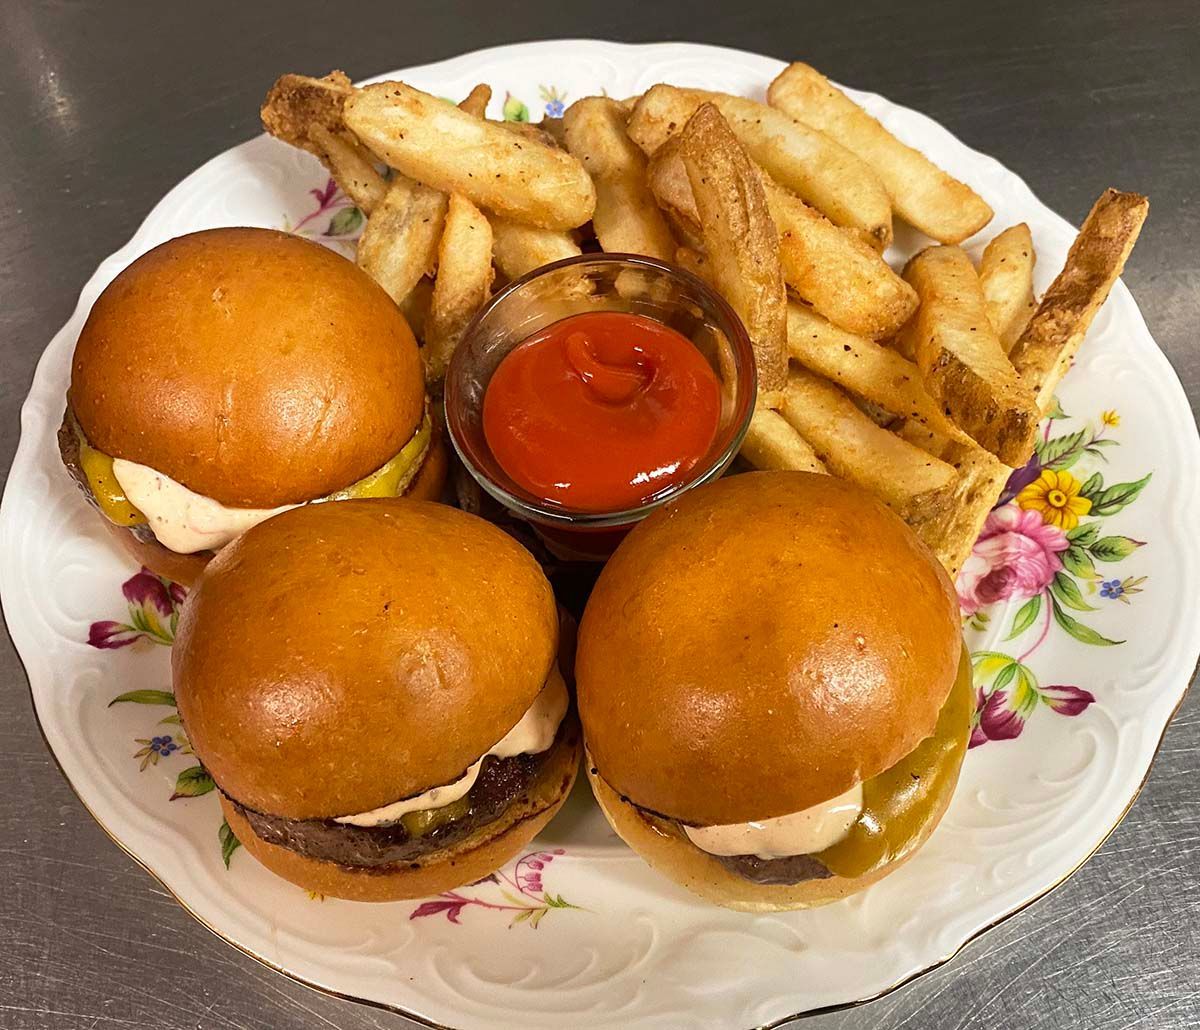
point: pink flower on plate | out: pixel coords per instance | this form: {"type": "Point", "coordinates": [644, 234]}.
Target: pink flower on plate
{"type": "Point", "coordinates": [1016, 555]}
{"type": "Point", "coordinates": [1067, 700]}
{"type": "Point", "coordinates": [999, 718]}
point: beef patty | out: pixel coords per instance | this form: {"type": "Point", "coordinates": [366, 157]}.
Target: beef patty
{"type": "Point", "coordinates": [501, 781]}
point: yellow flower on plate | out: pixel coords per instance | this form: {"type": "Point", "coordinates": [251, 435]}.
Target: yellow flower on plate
{"type": "Point", "coordinates": [1110, 418]}
{"type": "Point", "coordinates": [1055, 496]}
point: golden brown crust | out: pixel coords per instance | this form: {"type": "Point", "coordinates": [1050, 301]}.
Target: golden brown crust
{"type": "Point", "coordinates": [341, 656]}
{"type": "Point", "coordinates": [482, 853]}
{"type": "Point", "coordinates": [681, 861]}
{"type": "Point", "coordinates": [298, 102]}
{"type": "Point", "coordinates": [761, 645]}
{"type": "Point", "coordinates": [254, 367]}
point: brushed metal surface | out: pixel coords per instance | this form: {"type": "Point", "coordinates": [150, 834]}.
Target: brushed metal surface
{"type": "Point", "coordinates": [105, 106]}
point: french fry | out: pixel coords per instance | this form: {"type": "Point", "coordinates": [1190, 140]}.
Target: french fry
{"type": "Point", "coordinates": [867, 369]}
{"type": "Point", "coordinates": [518, 248]}
{"type": "Point", "coordinates": [812, 165]}
{"type": "Point", "coordinates": [772, 443]}
{"type": "Point", "coordinates": [296, 103]}
{"type": "Point", "coordinates": [742, 244]}
{"type": "Point", "coordinates": [463, 282]}
{"type": "Point", "coordinates": [921, 193]}
{"type": "Point", "coordinates": [950, 522]}
{"type": "Point", "coordinates": [626, 219]}
{"type": "Point", "coordinates": [696, 262]}
{"type": "Point", "coordinates": [959, 354]}
{"type": "Point", "coordinates": [415, 307]}
{"type": "Point", "coordinates": [1006, 275]}
{"type": "Point", "coordinates": [551, 127]}
{"type": "Point", "coordinates": [400, 243]}
{"type": "Point", "coordinates": [853, 447]}
{"type": "Point", "coordinates": [930, 440]}
{"type": "Point", "coordinates": [831, 268]}
{"type": "Point", "coordinates": [437, 144]}
{"type": "Point", "coordinates": [475, 103]}
{"type": "Point", "coordinates": [1055, 332]}
{"type": "Point", "coordinates": [351, 167]}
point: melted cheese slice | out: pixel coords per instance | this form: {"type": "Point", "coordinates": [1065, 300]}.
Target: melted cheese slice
{"type": "Point", "coordinates": [801, 833]}
{"type": "Point", "coordinates": [533, 734]}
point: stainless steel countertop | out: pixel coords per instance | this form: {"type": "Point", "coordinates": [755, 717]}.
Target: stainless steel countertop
{"type": "Point", "coordinates": [105, 106]}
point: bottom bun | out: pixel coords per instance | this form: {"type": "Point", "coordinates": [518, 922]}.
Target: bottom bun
{"type": "Point", "coordinates": [426, 485]}
{"type": "Point", "coordinates": [680, 860]}
{"type": "Point", "coordinates": [484, 852]}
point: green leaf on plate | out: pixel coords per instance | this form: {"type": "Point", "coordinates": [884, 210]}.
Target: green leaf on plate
{"type": "Point", "coordinates": [1056, 412]}
{"type": "Point", "coordinates": [345, 221]}
{"type": "Point", "coordinates": [1067, 591]}
{"type": "Point", "coordinates": [514, 110]}
{"type": "Point", "coordinates": [1005, 677]}
{"type": "Point", "coordinates": [1084, 634]}
{"type": "Point", "coordinates": [1091, 487]}
{"type": "Point", "coordinates": [1061, 452]}
{"type": "Point", "coordinates": [1084, 533]}
{"type": "Point", "coordinates": [1118, 496]}
{"type": "Point", "coordinates": [192, 783]}
{"type": "Point", "coordinates": [1025, 616]}
{"type": "Point", "coordinates": [229, 843]}
{"type": "Point", "coordinates": [1114, 548]}
{"type": "Point", "coordinates": [1075, 559]}
{"type": "Point", "coordinates": [145, 697]}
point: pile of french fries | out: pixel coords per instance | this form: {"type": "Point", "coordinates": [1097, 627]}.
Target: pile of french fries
{"type": "Point", "coordinates": [925, 386]}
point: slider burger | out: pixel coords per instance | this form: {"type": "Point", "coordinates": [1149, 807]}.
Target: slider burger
{"type": "Point", "coordinates": [774, 693]}
{"type": "Point", "coordinates": [373, 687]}
{"type": "Point", "coordinates": [230, 374]}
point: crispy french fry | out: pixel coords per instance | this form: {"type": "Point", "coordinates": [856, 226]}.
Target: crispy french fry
{"type": "Point", "coordinates": [351, 167]}
{"type": "Point", "coordinates": [1055, 332]}
{"type": "Point", "coordinates": [930, 440]}
{"type": "Point", "coordinates": [696, 262]}
{"type": "Point", "coordinates": [551, 127]}
{"type": "Point", "coordinates": [1006, 275]}
{"type": "Point", "coordinates": [950, 522]}
{"type": "Point", "coordinates": [816, 168]}
{"type": "Point", "coordinates": [448, 149]}
{"type": "Point", "coordinates": [921, 193]}
{"type": "Point", "coordinates": [476, 102]}
{"type": "Point", "coordinates": [400, 243]}
{"type": "Point", "coordinates": [626, 219]}
{"type": "Point", "coordinates": [740, 238]}
{"type": "Point", "coordinates": [853, 447]}
{"type": "Point", "coordinates": [960, 357]}
{"type": "Point", "coordinates": [295, 103]}
{"type": "Point", "coordinates": [772, 443]}
{"type": "Point", "coordinates": [830, 267]}
{"type": "Point", "coordinates": [463, 282]}
{"type": "Point", "coordinates": [518, 248]}
{"type": "Point", "coordinates": [835, 271]}
{"type": "Point", "coordinates": [867, 369]}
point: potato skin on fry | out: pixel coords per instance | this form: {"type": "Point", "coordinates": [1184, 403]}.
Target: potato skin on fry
{"type": "Point", "coordinates": [741, 240]}
{"type": "Point", "coordinates": [1055, 332]}
{"type": "Point", "coordinates": [626, 219]}
{"type": "Point", "coordinates": [295, 103]}
{"type": "Point", "coordinates": [815, 167]}
{"type": "Point", "coordinates": [921, 193]}
{"type": "Point", "coordinates": [965, 368]}
{"type": "Point", "coordinates": [448, 149]}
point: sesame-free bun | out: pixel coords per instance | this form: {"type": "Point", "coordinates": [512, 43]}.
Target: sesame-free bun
{"type": "Point", "coordinates": [761, 645]}
{"type": "Point", "coordinates": [483, 852]}
{"type": "Point", "coordinates": [255, 367]}
{"type": "Point", "coordinates": [344, 655]}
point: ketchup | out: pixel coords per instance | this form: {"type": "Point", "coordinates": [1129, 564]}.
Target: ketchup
{"type": "Point", "coordinates": [601, 411]}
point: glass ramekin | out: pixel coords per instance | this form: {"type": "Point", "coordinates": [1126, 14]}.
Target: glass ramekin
{"type": "Point", "coordinates": [588, 283]}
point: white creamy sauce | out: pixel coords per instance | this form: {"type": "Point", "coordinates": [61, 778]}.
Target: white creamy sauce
{"type": "Point", "coordinates": [182, 519]}
{"type": "Point", "coordinates": [801, 833]}
{"type": "Point", "coordinates": [534, 733]}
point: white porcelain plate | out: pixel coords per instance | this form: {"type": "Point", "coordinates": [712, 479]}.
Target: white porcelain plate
{"type": "Point", "coordinates": [1083, 604]}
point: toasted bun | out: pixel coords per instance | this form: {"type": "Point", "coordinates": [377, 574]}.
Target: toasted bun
{"type": "Point", "coordinates": [472, 859]}
{"type": "Point", "coordinates": [341, 656]}
{"type": "Point", "coordinates": [677, 859]}
{"type": "Point", "coordinates": [760, 646]}
{"type": "Point", "coordinates": [255, 367]}
{"type": "Point", "coordinates": [426, 485]}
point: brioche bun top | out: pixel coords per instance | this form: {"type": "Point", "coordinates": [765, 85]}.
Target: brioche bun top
{"type": "Point", "coordinates": [345, 655]}
{"type": "Point", "coordinates": [253, 366]}
{"type": "Point", "coordinates": [761, 645]}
